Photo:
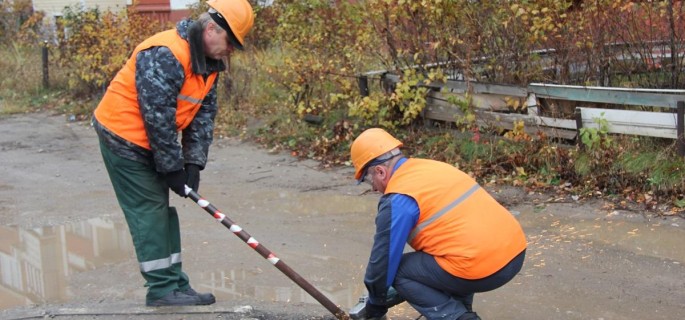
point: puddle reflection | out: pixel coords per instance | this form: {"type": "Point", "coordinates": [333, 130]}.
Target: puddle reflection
{"type": "Point", "coordinates": [35, 263]}
{"type": "Point", "coordinates": [40, 265]}
{"type": "Point", "coordinates": [231, 285]}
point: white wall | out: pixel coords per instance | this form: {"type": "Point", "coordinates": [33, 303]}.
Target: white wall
{"type": "Point", "coordinates": [55, 7]}
{"type": "Point", "coordinates": [181, 4]}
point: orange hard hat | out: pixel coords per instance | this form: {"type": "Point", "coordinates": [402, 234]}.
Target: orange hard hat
{"type": "Point", "coordinates": [368, 146]}
{"type": "Point", "coordinates": [237, 15]}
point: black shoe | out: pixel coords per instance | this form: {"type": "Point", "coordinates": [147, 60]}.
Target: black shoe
{"type": "Point", "coordinates": [469, 316]}
{"type": "Point", "coordinates": [383, 317]}
{"type": "Point", "coordinates": [205, 298]}
{"type": "Point", "coordinates": [175, 298]}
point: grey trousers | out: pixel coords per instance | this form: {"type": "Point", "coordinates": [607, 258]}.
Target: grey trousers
{"type": "Point", "coordinates": [436, 294]}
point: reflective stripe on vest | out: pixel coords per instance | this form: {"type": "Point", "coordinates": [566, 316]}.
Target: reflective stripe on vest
{"type": "Point", "coordinates": [440, 213]}
{"type": "Point", "coordinates": [189, 99]}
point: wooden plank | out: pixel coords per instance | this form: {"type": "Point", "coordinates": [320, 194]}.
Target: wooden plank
{"type": "Point", "coordinates": [642, 123]}
{"type": "Point", "coordinates": [455, 86]}
{"type": "Point", "coordinates": [568, 124]}
{"type": "Point", "coordinates": [488, 98]}
{"type": "Point", "coordinates": [680, 128]}
{"type": "Point", "coordinates": [561, 128]}
{"type": "Point", "coordinates": [626, 96]}
{"type": "Point", "coordinates": [480, 101]}
{"type": "Point", "coordinates": [479, 87]}
{"type": "Point", "coordinates": [441, 110]}
{"type": "Point", "coordinates": [444, 111]}
{"type": "Point", "coordinates": [532, 124]}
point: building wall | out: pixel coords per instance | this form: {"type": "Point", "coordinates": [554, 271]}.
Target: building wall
{"type": "Point", "coordinates": [155, 9]}
{"type": "Point", "coordinates": [55, 7]}
{"type": "Point", "coordinates": [181, 4]}
{"type": "Point", "coordinates": [173, 10]}
{"type": "Point", "coordinates": [179, 9]}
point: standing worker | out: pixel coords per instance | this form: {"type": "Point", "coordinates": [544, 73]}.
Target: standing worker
{"type": "Point", "coordinates": [464, 240]}
{"type": "Point", "coordinates": [167, 85]}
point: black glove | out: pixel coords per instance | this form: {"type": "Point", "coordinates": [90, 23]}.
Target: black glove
{"type": "Point", "coordinates": [374, 311]}
{"type": "Point", "coordinates": [193, 172]}
{"type": "Point", "coordinates": [176, 181]}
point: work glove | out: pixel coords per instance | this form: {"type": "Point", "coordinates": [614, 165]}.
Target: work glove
{"type": "Point", "coordinates": [374, 311]}
{"type": "Point", "coordinates": [176, 181]}
{"type": "Point", "coordinates": [193, 172]}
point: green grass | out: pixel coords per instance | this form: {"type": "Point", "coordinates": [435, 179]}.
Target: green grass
{"type": "Point", "coordinates": [659, 164]}
{"type": "Point", "coordinates": [254, 98]}
{"type": "Point", "coordinates": [21, 86]}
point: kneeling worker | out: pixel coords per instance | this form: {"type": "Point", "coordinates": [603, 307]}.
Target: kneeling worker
{"type": "Point", "coordinates": [464, 240]}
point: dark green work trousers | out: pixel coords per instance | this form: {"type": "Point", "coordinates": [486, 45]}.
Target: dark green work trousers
{"type": "Point", "coordinates": [144, 197]}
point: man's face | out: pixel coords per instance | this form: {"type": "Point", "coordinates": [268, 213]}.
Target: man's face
{"type": "Point", "coordinates": [217, 45]}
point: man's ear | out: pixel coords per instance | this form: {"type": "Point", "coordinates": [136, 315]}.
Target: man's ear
{"type": "Point", "coordinates": [211, 26]}
{"type": "Point", "coordinates": [382, 171]}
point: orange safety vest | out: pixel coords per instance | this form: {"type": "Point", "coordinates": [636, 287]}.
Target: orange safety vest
{"type": "Point", "coordinates": [468, 232]}
{"type": "Point", "coordinates": [119, 111]}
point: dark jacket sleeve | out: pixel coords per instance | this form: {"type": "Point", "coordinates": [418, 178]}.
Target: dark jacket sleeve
{"type": "Point", "coordinates": [159, 78]}
{"type": "Point", "coordinates": [376, 275]}
{"type": "Point", "coordinates": [198, 136]}
{"type": "Point", "coordinates": [397, 216]}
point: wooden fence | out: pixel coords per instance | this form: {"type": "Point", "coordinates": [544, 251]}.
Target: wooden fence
{"type": "Point", "coordinates": [500, 106]}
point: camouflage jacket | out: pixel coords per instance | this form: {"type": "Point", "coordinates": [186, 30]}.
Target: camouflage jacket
{"type": "Point", "coordinates": [159, 78]}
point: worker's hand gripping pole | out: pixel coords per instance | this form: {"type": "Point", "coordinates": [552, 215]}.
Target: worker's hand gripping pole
{"type": "Point", "coordinates": [278, 263]}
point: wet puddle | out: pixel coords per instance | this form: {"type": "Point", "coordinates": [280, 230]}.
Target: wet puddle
{"type": "Point", "coordinates": [659, 239]}
{"type": "Point", "coordinates": [35, 263]}
{"type": "Point", "coordinates": [44, 265]}
{"type": "Point", "coordinates": [38, 265]}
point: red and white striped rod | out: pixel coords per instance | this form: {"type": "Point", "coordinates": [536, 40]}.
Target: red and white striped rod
{"type": "Point", "coordinates": [267, 254]}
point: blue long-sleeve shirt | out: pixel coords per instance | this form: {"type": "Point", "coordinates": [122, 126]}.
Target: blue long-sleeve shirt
{"type": "Point", "coordinates": [397, 215]}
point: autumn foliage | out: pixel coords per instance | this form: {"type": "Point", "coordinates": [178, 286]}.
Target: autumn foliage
{"type": "Point", "coordinates": [599, 43]}
{"type": "Point", "coordinates": [94, 44]}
